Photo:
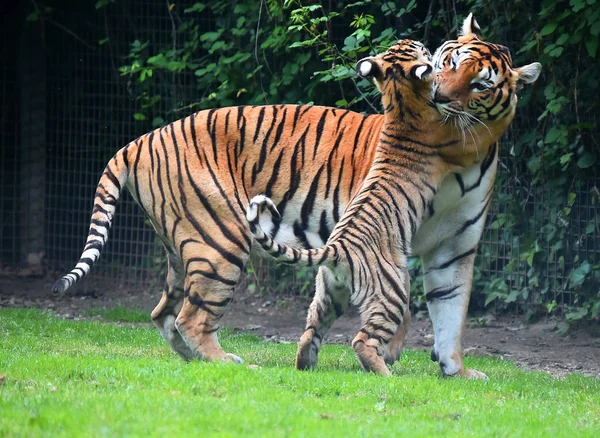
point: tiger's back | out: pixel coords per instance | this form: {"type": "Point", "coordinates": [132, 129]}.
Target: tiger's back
{"type": "Point", "coordinates": [309, 159]}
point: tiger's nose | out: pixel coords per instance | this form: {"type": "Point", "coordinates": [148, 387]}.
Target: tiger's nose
{"type": "Point", "coordinates": [440, 98]}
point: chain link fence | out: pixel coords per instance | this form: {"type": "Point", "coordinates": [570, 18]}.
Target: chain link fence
{"type": "Point", "coordinates": [67, 110]}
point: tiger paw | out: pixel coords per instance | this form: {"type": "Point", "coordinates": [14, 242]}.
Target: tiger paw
{"type": "Point", "coordinates": [370, 360]}
{"type": "Point", "coordinates": [229, 357]}
{"type": "Point", "coordinates": [467, 373]}
{"type": "Point", "coordinates": [472, 374]}
{"type": "Point", "coordinates": [307, 356]}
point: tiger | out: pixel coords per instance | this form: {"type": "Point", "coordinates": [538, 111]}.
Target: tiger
{"type": "Point", "coordinates": [193, 179]}
{"type": "Point", "coordinates": [365, 259]}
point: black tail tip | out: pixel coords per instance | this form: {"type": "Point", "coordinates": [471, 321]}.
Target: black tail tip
{"type": "Point", "coordinates": [60, 286]}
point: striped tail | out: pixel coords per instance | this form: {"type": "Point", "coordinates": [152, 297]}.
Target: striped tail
{"type": "Point", "coordinates": [107, 194]}
{"type": "Point", "coordinates": [283, 253]}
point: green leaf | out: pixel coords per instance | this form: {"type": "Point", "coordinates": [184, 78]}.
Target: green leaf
{"type": "Point", "coordinates": [556, 51]}
{"type": "Point", "coordinates": [590, 228]}
{"type": "Point", "coordinates": [512, 296]}
{"type": "Point", "coordinates": [196, 7]}
{"type": "Point", "coordinates": [578, 276]}
{"type": "Point", "coordinates": [566, 158]}
{"type": "Point", "coordinates": [139, 116]}
{"type": "Point", "coordinates": [577, 5]}
{"type": "Point", "coordinates": [553, 134]}
{"type": "Point", "coordinates": [588, 159]}
{"type": "Point", "coordinates": [576, 314]}
{"type": "Point", "coordinates": [591, 45]}
{"type": "Point", "coordinates": [548, 29]}
{"type": "Point", "coordinates": [103, 3]}
{"type": "Point", "coordinates": [562, 39]}
{"type": "Point", "coordinates": [157, 122]}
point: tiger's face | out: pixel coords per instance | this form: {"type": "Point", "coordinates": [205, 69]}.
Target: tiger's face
{"type": "Point", "coordinates": [407, 63]}
{"type": "Point", "coordinates": [475, 80]}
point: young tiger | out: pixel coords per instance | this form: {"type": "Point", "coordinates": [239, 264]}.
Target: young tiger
{"type": "Point", "coordinates": [194, 177]}
{"type": "Point", "coordinates": [368, 249]}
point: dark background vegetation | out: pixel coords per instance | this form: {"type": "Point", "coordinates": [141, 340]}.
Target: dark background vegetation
{"type": "Point", "coordinates": [100, 73]}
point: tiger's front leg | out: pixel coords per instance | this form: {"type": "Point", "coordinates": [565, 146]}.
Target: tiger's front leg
{"type": "Point", "coordinates": [448, 279]}
{"type": "Point", "coordinates": [396, 344]}
{"type": "Point", "coordinates": [329, 303]}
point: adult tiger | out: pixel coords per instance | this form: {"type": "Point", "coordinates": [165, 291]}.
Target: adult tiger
{"type": "Point", "coordinates": [194, 177]}
{"type": "Point", "coordinates": [366, 253]}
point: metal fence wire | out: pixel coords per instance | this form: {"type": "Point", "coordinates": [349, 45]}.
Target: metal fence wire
{"type": "Point", "coordinates": [64, 118]}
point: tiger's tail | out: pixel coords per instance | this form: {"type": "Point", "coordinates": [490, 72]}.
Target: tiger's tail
{"type": "Point", "coordinates": [108, 191]}
{"type": "Point", "coordinates": [283, 253]}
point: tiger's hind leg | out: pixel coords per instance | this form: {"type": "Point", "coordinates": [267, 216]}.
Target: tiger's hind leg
{"type": "Point", "coordinates": [329, 303]}
{"type": "Point", "coordinates": [208, 290]}
{"type": "Point", "coordinates": [165, 313]}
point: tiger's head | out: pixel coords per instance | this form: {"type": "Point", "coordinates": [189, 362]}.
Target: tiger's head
{"type": "Point", "coordinates": [403, 74]}
{"type": "Point", "coordinates": [476, 82]}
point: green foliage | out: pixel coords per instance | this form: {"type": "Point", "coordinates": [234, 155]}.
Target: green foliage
{"type": "Point", "coordinates": [546, 208]}
{"type": "Point", "coordinates": [245, 58]}
{"type": "Point", "coordinates": [86, 378]}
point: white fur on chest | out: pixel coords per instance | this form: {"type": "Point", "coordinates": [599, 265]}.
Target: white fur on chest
{"type": "Point", "coordinates": [453, 209]}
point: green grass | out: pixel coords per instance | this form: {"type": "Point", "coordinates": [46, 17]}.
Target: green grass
{"type": "Point", "coordinates": [121, 314]}
{"type": "Point", "coordinates": [87, 378]}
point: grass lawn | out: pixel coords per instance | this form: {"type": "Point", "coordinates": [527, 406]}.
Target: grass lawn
{"type": "Point", "coordinates": [91, 378]}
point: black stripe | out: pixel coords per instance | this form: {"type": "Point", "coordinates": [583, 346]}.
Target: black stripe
{"type": "Point", "coordinates": [301, 235]}
{"type": "Point", "coordinates": [485, 165]}
{"type": "Point", "coordinates": [461, 183]}
{"type": "Point", "coordinates": [274, 176]}
{"type": "Point", "coordinates": [323, 229]}
{"type": "Point", "coordinates": [451, 261]}
{"type": "Point", "coordinates": [296, 116]}
{"type": "Point", "coordinates": [261, 117]}
{"type": "Point", "coordinates": [111, 176]}
{"type": "Point", "coordinates": [309, 202]}
{"type": "Point", "coordinates": [320, 127]}
{"type": "Point", "coordinates": [441, 293]}
{"type": "Point", "coordinates": [213, 276]}
{"type": "Point", "coordinates": [279, 131]}
{"type": "Point", "coordinates": [475, 219]}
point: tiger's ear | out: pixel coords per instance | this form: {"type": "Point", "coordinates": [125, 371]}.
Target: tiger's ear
{"type": "Point", "coordinates": [470, 27]}
{"type": "Point", "coordinates": [528, 74]}
{"type": "Point", "coordinates": [367, 68]}
{"type": "Point", "coordinates": [423, 72]}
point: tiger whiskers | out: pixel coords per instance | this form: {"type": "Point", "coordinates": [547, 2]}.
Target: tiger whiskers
{"type": "Point", "coordinates": [469, 127]}
{"type": "Point", "coordinates": [478, 120]}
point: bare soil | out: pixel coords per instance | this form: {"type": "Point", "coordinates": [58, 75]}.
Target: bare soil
{"type": "Point", "coordinates": [536, 346]}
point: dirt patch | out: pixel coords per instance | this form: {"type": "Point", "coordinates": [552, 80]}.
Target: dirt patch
{"type": "Point", "coordinates": [531, 346]}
